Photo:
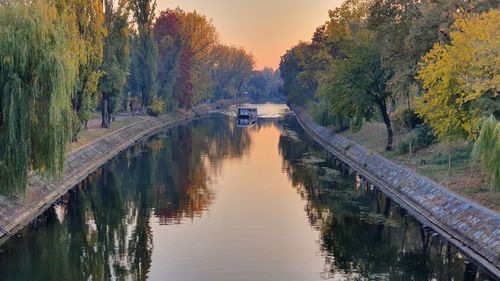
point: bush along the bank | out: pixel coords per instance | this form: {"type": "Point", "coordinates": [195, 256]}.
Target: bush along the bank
{"type": "Point", "coordinates": [156, 107]}
{"type": "Point", "coordinates": [405, 119]}
{"type": "Point", "coordinates": [420, 137]}
{"type": "Point", "coordinates": [327, 118]}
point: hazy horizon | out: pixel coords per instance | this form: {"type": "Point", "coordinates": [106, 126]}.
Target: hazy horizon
{"type": "Point", "coordinates": [266, 28]}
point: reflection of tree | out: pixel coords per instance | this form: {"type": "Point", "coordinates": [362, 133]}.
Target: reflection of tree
{"type": "Point", "coordinates": [220, 142]}
{"type": "Point", "coordinates": [362, 233]}
{"type": "Point", "coordinates": [190, 154]}
{"type": "Point", "coordinates": [105, 231]}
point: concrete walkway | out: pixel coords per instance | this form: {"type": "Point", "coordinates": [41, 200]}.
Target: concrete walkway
{"type": "Point", "coordinates": [472, 228]}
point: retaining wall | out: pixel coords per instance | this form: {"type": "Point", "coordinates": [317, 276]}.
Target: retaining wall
{"type": "Point", "coordinates": [472, 228]}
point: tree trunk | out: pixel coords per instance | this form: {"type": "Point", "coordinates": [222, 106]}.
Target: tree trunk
{"type": "Point", "coordinates": [449, 160]}
{"type": "Point", "coordinates": [411, 146]}
{"type": "Point", "coordinates": [387, 122]}
{"type": "Point", "coordinates": [74, 137]}
{"type": "Point", "coordinates": [408, 96]}
{"type": "Point", "coordinates": [104, 114]}
{"type": "Point", "coordinates": [420, 89]}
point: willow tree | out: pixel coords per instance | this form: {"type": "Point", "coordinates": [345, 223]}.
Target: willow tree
{"type": "Point", "coordinates": [37, 76]}
{"type": "Point", "coordinates": [487, 149]}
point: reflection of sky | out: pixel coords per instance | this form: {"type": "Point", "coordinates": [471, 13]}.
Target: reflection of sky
{"type": "Point", "coordinates": [256, 228]}
{"type": "Point", "coordinates": [267, 28]}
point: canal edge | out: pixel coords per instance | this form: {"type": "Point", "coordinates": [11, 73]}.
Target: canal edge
{"type": "Point", "coordinates": [17, 213]}
{"type": "Point", "coordinates": [447, 222]}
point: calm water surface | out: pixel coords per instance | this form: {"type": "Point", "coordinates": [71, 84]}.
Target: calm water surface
{"type": "Point", "coordinates": [210, 201]}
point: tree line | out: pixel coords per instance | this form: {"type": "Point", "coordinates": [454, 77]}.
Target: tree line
{"type": "Point", "coordinates": [61, 60]}
{"type": "Point", "coordinates": [426, 66]}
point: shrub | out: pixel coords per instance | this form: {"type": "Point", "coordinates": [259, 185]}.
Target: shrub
{"type": "Point", "coordinates": [456, 154]}
{"type": "Point", "coordinates": [403, 146]}
{"type": "Point", "coordinates": [420, 137]}
{"type": "Point", "coordinates": [156, 107]}
{"type": "Point", "coordinates": [405, 119]}
{"type": "Point", "coordinates": [325, 117]}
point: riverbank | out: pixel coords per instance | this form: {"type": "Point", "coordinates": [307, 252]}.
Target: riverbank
{"type": "Point", "coordinates": [466, 177]}
{"type": "Point", "coordinates": [17, 212]}
{"type": "Point", "coordinates": [470, 227]}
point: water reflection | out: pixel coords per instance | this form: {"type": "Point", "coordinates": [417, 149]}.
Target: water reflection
{"type": "Point", "coordinates": [363, 235]}
{"type": "Point", "coordinates": [102, 230]}
{"type": "Point", "coordinates": [245, 122]}
{"type": "Point", "coordinates": [211, 201]}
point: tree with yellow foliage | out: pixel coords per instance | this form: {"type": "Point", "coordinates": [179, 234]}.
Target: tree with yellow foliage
{"type": "Point", "coordinates": [462, 83]}
{"type": "Point", "coordinates": [462, 80]}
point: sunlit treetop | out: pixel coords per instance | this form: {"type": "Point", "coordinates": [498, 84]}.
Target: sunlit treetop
{"type": "Point", "coordinates": [462, 79]}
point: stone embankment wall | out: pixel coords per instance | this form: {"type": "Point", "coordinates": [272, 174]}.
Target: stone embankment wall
{"type": "Point", "coordinates": [41, 193]}
{"type": "Point", "coordinates": [472, 228]}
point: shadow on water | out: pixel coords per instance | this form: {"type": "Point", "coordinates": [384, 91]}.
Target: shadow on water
{"type": "Point", "coordinates": [103, 229]}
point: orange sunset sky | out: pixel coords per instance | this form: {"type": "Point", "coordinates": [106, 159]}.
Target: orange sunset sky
{"type": "Point", "coordinates": [267, 28]}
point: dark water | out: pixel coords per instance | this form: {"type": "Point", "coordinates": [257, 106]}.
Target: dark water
{"type": "Point", "coordinates": [210, 201]}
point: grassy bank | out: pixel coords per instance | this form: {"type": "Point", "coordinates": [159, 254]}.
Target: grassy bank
{"type": "Point", "coordinates": [465, 178]}
{"type": "Point", "coordinates": [93, 133]}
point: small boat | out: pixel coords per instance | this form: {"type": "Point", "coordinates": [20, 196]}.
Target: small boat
{"type": "Point", "coordinates": [246, 116]}
{"type": "Point", "coordinates": [247, 112]}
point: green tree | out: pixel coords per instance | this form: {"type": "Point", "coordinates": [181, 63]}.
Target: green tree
{"type": "Point", "coordinates": [300, 84]}
{"type": "Point", "coordinates": [38, 71]}
{"type": "Point", "coordinates": [116, 60]}
{"type": "Point", "coordinates": [144, 52]}
{"type": "Point", "coordinates": [89, 19]}
{"type": "Point", "coordinates": [265, 85]}
{"type": "Point", "coordinates": [356, 85]}
{"type": "Point", "coordinates": [170, 44]}
{"type": "Point", "coordinates": [406, 30]}
{"type": "Point", "coordinates": [231, 69]}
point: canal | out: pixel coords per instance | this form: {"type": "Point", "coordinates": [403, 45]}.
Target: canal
{"type": "Point", "coordinates": [212, 201]}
